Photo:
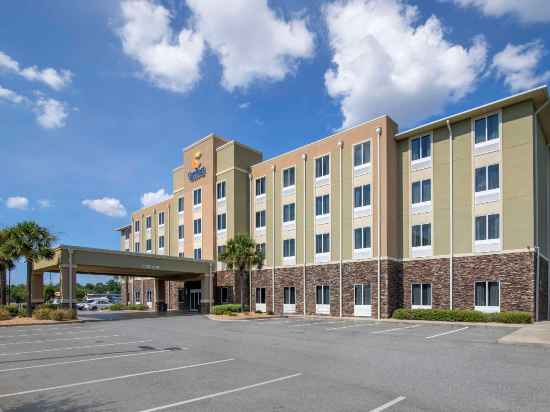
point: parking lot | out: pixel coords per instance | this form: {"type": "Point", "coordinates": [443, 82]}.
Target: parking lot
{"type": "Point", "coordinates": [192, 363]}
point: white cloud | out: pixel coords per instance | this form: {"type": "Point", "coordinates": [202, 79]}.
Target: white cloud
{"type": "Point", "coordinates": [152, 198]}
{"type": "Point", "coordinates": [17, 202]}
{"type": "Point", "coordinates": [108, 206]}
{"type": "Point", "coordinates": [56, 79]}
{"type": "Point", "coordinates": [244, 105]}
{"type": "Point", "coordinates": [517, 66]}
{"type": "Point", "coordinates": [44, 203]}
{"type": "Point", "coordinates": [169, 60]}
{"type": "Point", "coordinates": [11, 96]}
{"type": "Point", "coordinates": [50, 113]}
{"type": "Point", "coordinates": [527, 11]}
{"type": "Point", "coordinates": [386, 61]}
{"type": "Point", "coordinates": [251, 41]}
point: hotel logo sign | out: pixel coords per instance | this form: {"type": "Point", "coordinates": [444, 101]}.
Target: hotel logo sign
{"type": "Point", "coordinates": [198, 169]}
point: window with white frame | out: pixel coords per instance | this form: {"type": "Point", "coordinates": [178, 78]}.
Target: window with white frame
{"type": "Point", "coordinates": [181, 231]}
{"type": "Point", "coordinates": [289, 296]}
{"type": "Point", "coordinates": [180, 205]}
{"type": "Point", "coordinates": [361, 154]}
{"type": "Point", "coordinates": [486, 129]}
{"type": "Point", "coordinates": [361, 196]}
{"type": "Point", "coordinates": [136, 247]}
{"type": "Point", "coordinates": [161, 218]}
{"type": "Point", "coordinates": [161, 242]}
{"type": "Point", "coordinates": [322, 205]}
{"type": "Point", "coordinates": [136, 226]}
{"type": "Point", "coordinates": [260, 186]}
{"type": "Point", "coordinates": [362, 238]}
{"type": "Point", "coordinates": [149, 295]}
{"type": "Point", "coordinates": [487, 296]}
{"type": "Point", "coordinates": [220, 190]}
{"type": "Point", "coordinates": [260, 219]}
{"type": "Point", "coordinates": [221, 250]}
{"type": "Point", "coordinates": [222, 222]}
{"type": "Point", "coordinates": [362, 294]}
{"type": "Point", "coordinates": [421, 148]}
{"type": "Point", "coordinates": [422, 235]}
{"type": "Point", "coordinates": [322, 295]}
{"type": "Point", "coordinates": [148, 222]}
{"type": "Point", "coordinates": [421, 295]}
{"type": "Point", "coordinates": [289, 213]}
{"type": "Point", "coordinates": [260, 296]}
{"type": "Point", "coordinates": [322, 243]}
{"type": "Point", "coordinates": [421, 191]}
{"type": "Point", "coordinates": [137, 295]}
{"type": "Point", "coordinates": [197, 226]}
{"type": "Point", "coordinates": [322, 166]}
{"type": "Point", "coordinates": [197, 253]}
{"type": "Point", "coordinates": [197, 197]}
{"type": "Point", "coordinates": [488, 227]}
{"type": "Point", "coordinates": [289, 248]}
{"type": "Point", "coordinates": [289, 177]}
{"type": "Point", "coordinates": [148, 245]}
{"type": "Point", "coordinates": [487, 178]}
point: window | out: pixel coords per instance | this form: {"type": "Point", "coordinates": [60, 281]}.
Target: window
{"type": "Point", "coordinates": [180, 205]}
{"type": "Point", "coordinates": [362, 294]}
{"type": "Point", "coordinates": [225, 295]}
{"type": "Point", "coordinates": [180, 254]}
{"type": "Point", "coordinates": [421, 147]}
{"type": "Point", "coordinates": [197, 226]}
{"type": "Point", "coordinates": [126, 234]}
{"type": "Point", "coordinates": [289, 296]}
{"type": "Point", "coordinates": [421, 294]}
{"type": "Point", "coordinates": [148, 222]}
{"type": "Point", "coordinates": [221, 250]}
{"type": "Point", "coordinates": [260, 186]}
{"type": "Point", "coordinates": [362, 238]}
{"type": "Point", "coordinates": [161, 242]}
{"type": "Point", "coordinates": [181, 232]}
{"type": "Point", "coordinates": [486, 129]}
{"type": "Point", "coordinates": [487, 178]}
{"type": "Point", "coordinates": [361, 196]}
{"type": "Point", "coordinates": [361, 154]}
{"type": "Point", "coordinates": [136, 226]}
{"type": "Point", "coordinates": [322, 166]}
{"type": "Point", "coordinates": [220, 190]}
{"type": "Point", "coordinates": [260, 296]}
{"type": "Point", "coordinates": [137, 295]}
{"type": "Point", "coordinates": [136, 247]}
{"type": "Point", "coordinates": [289, 177]}
{"type": "Point", "coordinates": [149, 295]}
{"type": "Point", "coordinates": [260, 219]}
{"type": "Point", "coordinates": [197, 253]}
{"type": "Point", "coordinates": [322, 205]}
{"type": "Point", "coordinates": [323, 295]}
{"type": "Point", "coordinates": [487, 227]}
{"type": "Point", "coordinates": [260, 247]}
{"type": "Point", "coordinates": [222, 222]}
{"type": "Point", "coordinates": [322, 243]}
{"type": "Point", "coordinates": [148, 245]}
{"type": "Point", "coordinates": [161, 218]}
{"type": "Point", "coordinates": [422, 235]}
{"type": "Point", "coordinates": [197, 197]}
{"type": "Point", "coordinates": [422, 191]}
{"type": "Point", "coordinates": [289, 248]}
{"type": "Point", "coordinates": [289, 212]}
{"type": "Point", "coordinates": [487, 295]}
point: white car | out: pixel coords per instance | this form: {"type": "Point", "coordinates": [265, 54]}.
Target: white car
{"type": "Point", "coordinates": [95, 304]}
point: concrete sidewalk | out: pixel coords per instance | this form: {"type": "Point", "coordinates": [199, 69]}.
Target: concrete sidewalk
{"type": "Point", "coordinates": [537, 333]}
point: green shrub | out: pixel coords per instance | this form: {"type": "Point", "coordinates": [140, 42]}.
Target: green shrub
{"type": "Point", "coordinates": [69, 314]}
{"type": "Point", "coordinates": [5, 314]}
{"type": "Point", "coordinates": [13, 309]}
{"type": "Point", "coordinates": [229, 313]}
{"type": "Point", "coordinates": [56, 314]}
{"type": "Point", "coordinates": [221, 309]}
{"type": "Point", "coordinates": [116, 306]}
{"type": "Point", "coordinates": [461, 315]}
{"type": "Point", "coordinates": [270, 312]}
{"type": "Point", "coordinates": [42, 313]}
{"type": "Point", "coordinates": [48, 306]}
{"type": "Point", "coordinates": [137, 306]}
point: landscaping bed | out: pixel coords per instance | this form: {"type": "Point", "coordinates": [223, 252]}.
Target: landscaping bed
{"type": "Point", "coordinates": [11, 315]}
{"type": "Point", "coordinates": [233, 311]}
{"type": "Point", "coordinates": [462, 315]}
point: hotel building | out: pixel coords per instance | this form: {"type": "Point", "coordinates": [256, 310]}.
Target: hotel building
{"type": "Point", "coordinates": [450, 214]}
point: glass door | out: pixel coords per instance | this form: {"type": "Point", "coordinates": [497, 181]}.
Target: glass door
{"type": "Point", "coordinates": [195, 302]}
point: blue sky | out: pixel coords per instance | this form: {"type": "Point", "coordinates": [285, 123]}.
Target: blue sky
{"type": "Point", "coordinates": [97, 99]}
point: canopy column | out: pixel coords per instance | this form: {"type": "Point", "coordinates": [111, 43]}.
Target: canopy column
{"type": "Point", "coordinates": [67, 284]}
{"type": "Point", "coordinates": [37, 286]}
{"type": "Point", "coordinates": [207, 292]}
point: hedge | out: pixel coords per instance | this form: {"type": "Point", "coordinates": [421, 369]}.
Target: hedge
{"type": "Point", "coordinates": [47, 313]}
{"type": "Point", "coordinates": [137, 306]}
{"type": "Point", "coordinates": [462, 315]}
{"type": "Point", "coordinates": [5, 314]}
{"type": "Point", "coordinates": [221, 309]}
{"type": "Point", "coordinates": [116, 306]}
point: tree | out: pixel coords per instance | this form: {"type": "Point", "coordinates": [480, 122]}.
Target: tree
{"type": "Point", "coordinates": [6, 262]}
{"type": "Point", "coordinates": [32, 242]}
{"type": "Point", "coordinates": [240, 255]}
{"type": "Point", "coordinates": [49, 292]}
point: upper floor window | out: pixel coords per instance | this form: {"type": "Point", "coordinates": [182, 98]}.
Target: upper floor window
{"type": "Point", "coordinates": [322, 166]}
{"type": "Point", "coordinates": [222, 221]}
{"type": "Point", "coordinates": [197, 226]}
{"type": "Point", "coordinates": [197, 253]}
{"type": "Point", "coordinates": [488, 227]}
{"type": "Point", "coordinates": [322, 205]}
{"type": "Point", "coordinates": [161, 242]}
{"type": "Point", "coordinates": [361, 154]}
{"type": "Point", "coordinates": [136, 247]}
{"type": "Point", "coordinates": [197, 197]}
{"type": "Point", "coordinates": [260, 219]}
{"type": "Point", "coordinates": [289, 212]}
{"type": "Point", "coordinates": [220, 190]}
{"type": "Point", "coordinates": [487, 178]}
{"type": "Point", "coordinates": [181, 232]}
{"type": "Point", "coordinates": [322, 243]}
{"type": "Point", "coordinates": [221, 250]}
{"type": "Point", "coordinates": [421, 191]}
{"type": "Point", "coordinates": [260, 186]}
{"type": "Point", "coordinates": [136, 226]}
{"type": "Point", "coordinates": [148, 222]}
{"type": "Point", "coordinates": [362, 239]}
{"type": "Point", "coordinates": [289, 177]}
{"type": "Point", "coordinates": [422, 235]}
{"type": "Point", "coordinates": [421, 147]}
{"type": "Point", "coordinates": [161, 218]}
{"type": "Point", "coordinates": [486, 128]}
{"type": "Point", "coordinates": [361, 196]}
{"type": "Point", "coordinates": [180, 204]}
{"type": "Point", "coordinates": [289, 247]}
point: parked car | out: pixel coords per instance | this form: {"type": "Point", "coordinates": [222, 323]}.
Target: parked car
{"type": "Point", "coordinates": [94, 304]}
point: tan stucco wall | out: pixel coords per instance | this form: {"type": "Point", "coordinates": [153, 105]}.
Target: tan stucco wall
{"type": "Point", "coordinates": [440, 191]}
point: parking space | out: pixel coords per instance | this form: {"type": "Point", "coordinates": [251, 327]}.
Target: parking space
{"type": "Point", "coordinates": [286, 364]}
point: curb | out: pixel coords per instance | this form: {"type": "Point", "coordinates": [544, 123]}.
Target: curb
{"type": "Point", "coordinates": [219, 318]}
{"type": "Point", "coordinates": [52, 323]}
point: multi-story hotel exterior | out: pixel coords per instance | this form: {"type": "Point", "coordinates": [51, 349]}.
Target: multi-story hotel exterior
{"type": "Point", "coordinates": [450, 214]}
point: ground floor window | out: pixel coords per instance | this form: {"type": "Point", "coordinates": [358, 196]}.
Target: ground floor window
{"type": "Point", "coordinates": [487, 296]}
{"type": "Point", "coordinates": [323, 295]}
{"type": "Point", "coordinates": [421, 295]}
{"type": "Point", "coordinates": [260, 296]}
{"type": "Point", "coordinates": [225, 295]}
{"type": "Point", "coordinates": [149, 295]}
{"type": "Point", "coordinates": [289, 296]}
{"type": "Point", "coordinates": [362, 294]}
{"type": "Point", "coordinates": [137, 295]}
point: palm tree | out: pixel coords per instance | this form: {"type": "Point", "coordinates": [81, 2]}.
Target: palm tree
{"type": "Point", "coordinates": [240, 255]}
{"type": "Point", "coordinates": [30, 241]}
{"type": "Point", "coordinates": [6, 263]}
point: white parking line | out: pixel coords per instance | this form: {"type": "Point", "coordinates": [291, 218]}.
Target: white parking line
{"type": "Point", "coordinates": [215, 395]}
{"type": "Point", "coordinates": [355, 325]}
{"type": "Point", "coordinates": [394, 329]}
{"type": "Point", "coordinates": [112, 378]}
{"type": "Point", "coordinates": [388, 404]}
{"type": "Point", "coordinates": [44, 365]}
{"type": "Point", "coordinates": [447, 333]}
{"type": "Point", "coordinates": [74, 347]}
{"type": "Point", "coordinates": [48, 334]}
{"type": "Point", "coordinates": [58, 340]}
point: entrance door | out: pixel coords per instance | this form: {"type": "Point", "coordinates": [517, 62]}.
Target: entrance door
{"type": "Point", "coordinates": [181, 299]}
{"type": "Point", "coordinates": [362, 305]}
{"type": "Point", "coordinates": [195, 300]}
